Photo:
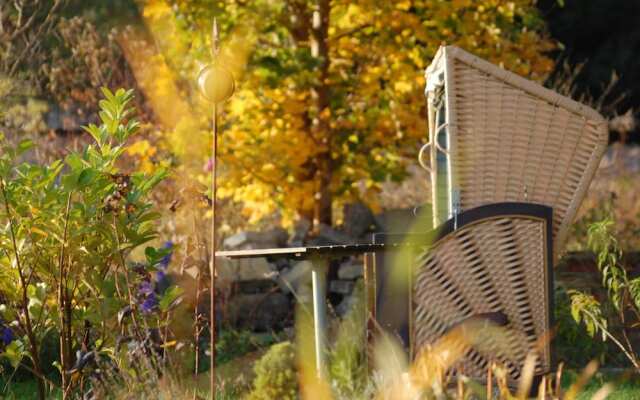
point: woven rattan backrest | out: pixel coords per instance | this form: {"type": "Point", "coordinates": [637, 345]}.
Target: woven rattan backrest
{"type": "Point", "coordinates": [509, 139]}
{"type": "Point", "coordinates": [498, 261]}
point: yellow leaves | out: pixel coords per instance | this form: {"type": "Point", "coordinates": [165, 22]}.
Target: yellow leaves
{"type": "Point", "coordinates": [39, 231]}
{"type": "Point", "coordinates": [144, 151]}
{"type": "Point", "coordinates": [326, 113]}
{"type": "Point", "coordinates": [461, 3]}
{"type": "Point", "coordinates": [403, 5]}
{"type": "Point", "coordinates": [254, 198]}
{"type": "Point", "coordinates": [507, 11]}
{"type": "Point", "coordinates": [403, 86]}
{"type": "Point", "coordinates": [225, 192]}
{"type": "Point", "coordinates": [294, 106]}
{"type": "Point", "coordinates": [349, 17]}
{"type": "Point", "coordinates": [141, 148]}
{"type": "Point", "coordinates": [155, 9]}
{"type": "Point", "coordinates": [267, 146]}
{"type": "Point", "coordinates": [238, 105]}
{"type": "Point", "coordinates": [268, 167]}
{"type": "Point", "coordinates": [349, 171]}
{"type": "Point", "coordinates": [33, 210]}
{"type": "Point", "coordinates": [171, 343]}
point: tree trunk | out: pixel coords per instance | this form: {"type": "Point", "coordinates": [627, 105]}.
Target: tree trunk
{"type": "Point", "coordinates": [320, 123]}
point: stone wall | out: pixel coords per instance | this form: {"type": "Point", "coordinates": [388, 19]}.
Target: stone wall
{"type": "Point", "coordinates": [263, 291]}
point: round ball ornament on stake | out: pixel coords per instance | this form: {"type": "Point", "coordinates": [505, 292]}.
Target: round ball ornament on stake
{"type": "Point", "coordinates": [216, 83]}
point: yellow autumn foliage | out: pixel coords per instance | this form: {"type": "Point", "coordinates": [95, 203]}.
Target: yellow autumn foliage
{"type": "Point", "coordinates": [376, 115]}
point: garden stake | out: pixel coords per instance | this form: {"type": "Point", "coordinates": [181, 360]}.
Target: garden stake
{"type": "Point", "coordinates": [212, 289]}
{"type": "Point", "coordinates": [216, 85]}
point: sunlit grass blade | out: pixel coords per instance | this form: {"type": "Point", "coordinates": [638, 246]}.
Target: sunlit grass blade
{"type": "Point", "coordinates": [582, 380]}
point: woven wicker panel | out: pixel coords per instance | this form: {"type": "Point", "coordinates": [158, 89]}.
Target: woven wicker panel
{"type": "Point", "coordinates": [513, 140]}
{"type": "Point", "coordinates": [493, 265]}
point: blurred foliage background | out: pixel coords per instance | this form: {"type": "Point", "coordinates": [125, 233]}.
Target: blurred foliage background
{"type": "Point", "coordinates": [320, 116]}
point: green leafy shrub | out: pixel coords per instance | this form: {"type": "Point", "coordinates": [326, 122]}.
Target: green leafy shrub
{"type": "Point", "coordinates": [66, 231]}
{"type": "Point", "coordinates": [276, 376]}
{"type": "Point", "coordinates": [574, 347]}
{"type": "Point", "coordinates": [619, 313]}
{"type": "Point", "coordinates": [231, 344]}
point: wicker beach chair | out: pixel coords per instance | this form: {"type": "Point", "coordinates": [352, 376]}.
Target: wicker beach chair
{"type": "Point", "coordinates": [497, 137]}
{"type": "Point", "coordinates": [494, 263]}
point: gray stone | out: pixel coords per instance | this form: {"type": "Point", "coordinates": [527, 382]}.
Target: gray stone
{"type": "Point", "coordinates": [330, 236]}
{"type": "Point", "coordinates": [341, 287]}
{"type": "Point", "coordinates": [276, 237]}
{"type": "Point", "coordinates": [235, 241]}
{"type": "Point", "coordinates": [295, 276]}
{"type": "Point", "coordinates": [352, 302]}
{"type": "Point", "coordinates": [255, 286]}
{"type": "Point", "coordinates": [245, 269]}
{"type": "Point", "coordinates": [300, 232]}
{"type": "Point", "coordinates": [345, 305]}
{"type": "Point", "coordinates": [403, 220]}
{"type": "Point", "coordinates": [350, 270]}
{"type": "Point", "coordinates": [281, 263]}
{"type": "Point", "coordinates": [358, 220]}
{"type": "Point", "coordinates": [259, 312]}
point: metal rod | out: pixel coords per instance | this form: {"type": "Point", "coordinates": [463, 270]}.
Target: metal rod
{"type": "Point", "coordinates": [370, 307]}
{"type": "Point", "coordinates": [214, 186]}
{"type": "Point", "coordinates": [212, 317]}
{"type": "Point", "coordinates": [319, 282]}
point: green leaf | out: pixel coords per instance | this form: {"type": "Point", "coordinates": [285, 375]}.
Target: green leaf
{"type": "Point", "coordinates": [106, 117]}
{"type": "Point", "coordinates": [107, 93]}
{"type": "Point", "coordinates": [94, 131]}
{"type": "Point", "coordinates": [31, 291]}
{"type": "Point", "coordinates": [14, 352]}
{"type": "Point", "coordinates": [169, 297]}
{"type": "Point", "coordinates": [70, 181]}
{"type": "Point", "coordinates": [41, 290]}
{"type": "Point", "coordinates": [86, 176]}
{"type": "Point", "coordinates": [74, 161]}
{"type": "Point", "coordinates": [108, 107]}
{"type": "Point", "coordinates": [575, 313]}
{"type": "Point", "coordinates": [156, 178]}
{"type": "Point", "coordinates": [24, 146]}
{"type": "Point", "coordinates": [57, 365]}
{"type": "Point", "coordinates": [154, 255]}
{"type": "Point", "coordinates": [148, 216]}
